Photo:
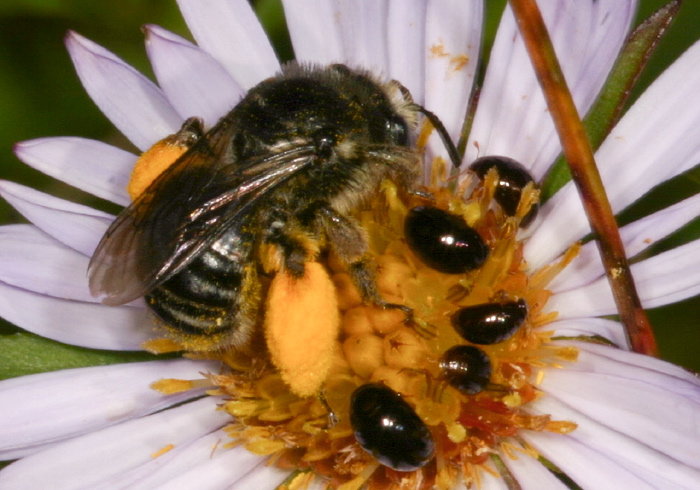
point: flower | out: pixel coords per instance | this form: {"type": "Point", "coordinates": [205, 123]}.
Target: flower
{"type": "Point", "coordinates": [632, 419]}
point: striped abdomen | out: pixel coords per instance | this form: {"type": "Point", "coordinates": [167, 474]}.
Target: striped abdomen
{"type": "Point", "coordinates": [204, 302]}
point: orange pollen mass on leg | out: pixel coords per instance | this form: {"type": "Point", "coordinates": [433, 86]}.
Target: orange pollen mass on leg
{"type": "Point", "coordinates": [152, 163]}
{"type": "Point", "coordinates": [301, 327]}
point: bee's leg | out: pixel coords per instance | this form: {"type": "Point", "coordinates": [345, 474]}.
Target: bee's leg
{"type": "Point", "coordinates": [162, 155]}
{"type": "Point", "coordinates": [302, 346]}
{"type": "Point", "coordinates": [190, 131]}
{"type": "Point", "coordinates": [287, 249]}
{"type": "Point", "coordinates": [363, 276]}
{"type": "Point", "coordinates": [349, 243]}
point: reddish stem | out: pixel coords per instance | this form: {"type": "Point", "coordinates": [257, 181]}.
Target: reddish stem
{"type": "Point", "coordinates": [578, 153]}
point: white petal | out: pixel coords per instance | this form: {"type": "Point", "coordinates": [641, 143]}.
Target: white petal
{"type": "Point", "coordinates": [512, 117]}
{"type": "Point", "coordinates": [588, 327]}
{"type": "Point", "coordinates": [452, 43]}
{"type": "Point", "coordinates": [230, 32]}
{"type": "Point", "coordinates": [637, 237]}
{"type": "Point", "coordinates": [653, 466]}
{"type": "Point", "coordinates": [133, 103]}
{"type": "Point", "coordinates": [99, 457]}
{"type": "Point", "coordinates": [656, 140]}
{"type": "Point", "coordinates": [637, 415]}
{"type": "Point", "coordinates": [406, 36]}
{"type": "Point", "coordinates": [33, 261]}
{"type": "Point", "coordinates": [594, 299]}
{"type": "Point", "coordinates": [669, 277]}
{"type": "Point", "coordinates": [489, 481]}
{"type": "Point", "coordinates": [363, 33]}
{"type": "Point", "coordinates": [262, 477]}
{"type": "Point", "coordinates": [314, 31]}
{"type": "Point", "coordinates": [639, 403]}
{"type": "Point", "coordinates": [615, 363]}
{"type": "Point", "coordinates": [195, 83]}
{"type": "Point", "coordinates": [346, 31]}
{"type": "Point", "coordinates": [663, 279]}
{"type": "Point", "coordinates": [74, 225]}
{"type": "Point", "coordinates": [83, 400]}
{"type": "Point", "coordinates": [92, 166]}
{"type": "Point", "coordinates": [576, 460]}
{"type": "Point", "coordinates": [203, 464]}
{"type": "Point", "coordinates": [531, 474]}
{"type": "Point", "coordinates": [72, 322]}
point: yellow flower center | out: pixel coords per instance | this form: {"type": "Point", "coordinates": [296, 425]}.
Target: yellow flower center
{"type": "Point", "coordinates": [314, 435]}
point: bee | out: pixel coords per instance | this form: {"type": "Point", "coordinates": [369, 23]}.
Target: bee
{"type": "Point", "coordinates": [262, 195]}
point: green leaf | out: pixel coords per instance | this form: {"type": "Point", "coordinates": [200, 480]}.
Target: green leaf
{"type": "Point", "coordinates": [271, 15]}
{"type": "Point", "coordinates": [611, 101]}
{"type": "Point", "coordinates": [24, 353]}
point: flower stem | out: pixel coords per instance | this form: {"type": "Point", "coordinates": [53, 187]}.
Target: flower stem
{"type": "Point", "coordinates": [578, 153]}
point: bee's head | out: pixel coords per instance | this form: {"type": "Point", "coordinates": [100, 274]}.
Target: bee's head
{"type": "Point", "coordinates": [327, 107]}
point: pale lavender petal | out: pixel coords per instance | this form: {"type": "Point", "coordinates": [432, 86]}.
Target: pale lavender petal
{"type": "Point", "coordinates": [202, 464]}
{"type": "Point", "coordinates": [657, 139]}
{"type": "Point", "coordinates": [663, 279]}
{"type": "Point", "coordinates": [363, 33]}
{"type": "Point", "coordinates": [669, 277]}
{"type": "Point", "coordinates": [91, 325]}
{"type": "Point", "coordinates": [262, 477]}
{"type": "Point", "coordinates": [102, 456]}
{"type": "Point", "coordinates": [230, 32]}
{"type": "Point", "coordinates": [588, 327]}
{"type": "Point", "coordinates": [642, 404]}
{"type": "Point", "coordinates": [314, 31]}
{"type": "Point", "coordinates": [83, 400]}
{"type": "Point", "coordinates": [194, 82]}
{"type": "Point", "coordinates": [608, 361]}
{"type": "Point", "coordinates": [133, 103]}
{"type": "Point", "coordinates": [356, 32]}
{"type": "Point", "coordinates": [33, 261]}
{"type": "Point", "coordinates": [452, 43]}
{"type": "Point", "coordinates": [406, 35]}
{"type": "Point", "coordinates": [74, 225]}
{"type": "Point", "coordinates": [92, 166]}
{"type": "Point", "coordinates": [604, 428]}
{"type": "Point", "coordinates": [512, 117]}
{"type": "Point", "coordinates": [637, 237]}
{"type": "Point", "coordinates": [489, 481]}
{"type": "Point", "coordinates": [531, 474]}
{"type": "Point", "coordinates": [46, 292]}
{"type": "Point", "coordinates": [576, 460]}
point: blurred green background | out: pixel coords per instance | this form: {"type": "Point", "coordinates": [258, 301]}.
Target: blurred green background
{"type": "Point", "coordinates": [40, 95]}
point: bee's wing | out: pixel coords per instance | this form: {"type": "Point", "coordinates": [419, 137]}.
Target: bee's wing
{"type": "Point", "coordinates": [197, 199]}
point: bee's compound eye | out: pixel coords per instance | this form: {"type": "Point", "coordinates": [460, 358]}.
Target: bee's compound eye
{"type": "Point", "coordinates": [512, 179]}
{"type": "Point", "coordinates": [489, 323]}
{"type": "Point", "coordinates": [444, 241]}
{"type": "Point", "coordinates": [466, 368]}
{"type": "Point", "coordinates": [397, 129]}
{"type": "Point", "coordinates": [388, 428]}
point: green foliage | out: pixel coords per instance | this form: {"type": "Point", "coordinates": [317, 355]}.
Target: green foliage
{"type": "Point", "coordinates": [23, 353]}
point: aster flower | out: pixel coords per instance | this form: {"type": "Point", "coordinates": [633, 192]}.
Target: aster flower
{"type": "Point", "coordinates": [561, 409]}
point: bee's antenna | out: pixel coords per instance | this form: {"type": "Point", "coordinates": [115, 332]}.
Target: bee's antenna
{"type": "Point", "coordinates": [437, 124]}
{"type": "Point", "coordinates": [444, 136]}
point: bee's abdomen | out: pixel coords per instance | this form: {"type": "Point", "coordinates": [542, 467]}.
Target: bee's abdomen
{"type": "Point", "coordinates": [203, 299]}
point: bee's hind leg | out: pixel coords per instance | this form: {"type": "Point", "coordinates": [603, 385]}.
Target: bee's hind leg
{"type": "Point", "coordinates": [349, 243]}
